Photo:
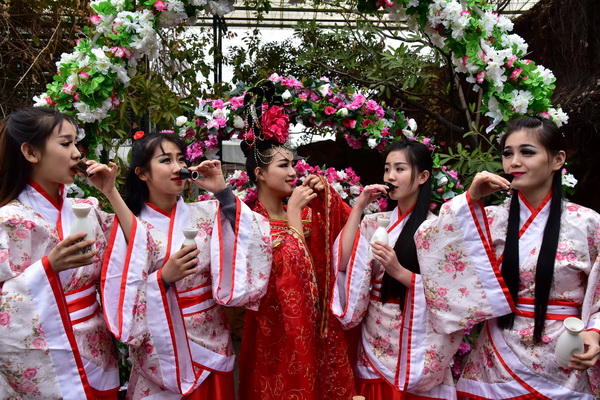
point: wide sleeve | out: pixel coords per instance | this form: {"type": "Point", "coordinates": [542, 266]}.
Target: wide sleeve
{"type": "Point", "coordinates": [241, 257]}
{"type": "Point", "coordinates": [141, 312]}
{"type": "Point", "coordinates": [591, 303]}
{"type": "Point", "coordinates": [35, 327]}
{"type": "Point", "coordinates": [461, 273]}
{"type": "Point", "coordinates": [352, 287]}
{"type": "Point", "coordinates": [425, 355]}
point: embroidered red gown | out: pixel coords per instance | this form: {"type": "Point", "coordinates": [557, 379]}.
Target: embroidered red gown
{"type": "Point", "coordinates": [293, 347]}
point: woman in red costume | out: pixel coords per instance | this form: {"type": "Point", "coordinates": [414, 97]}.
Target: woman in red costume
{"type": "Point", "coordinates": [293, 347]}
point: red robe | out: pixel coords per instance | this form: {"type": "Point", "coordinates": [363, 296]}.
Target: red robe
{"type": "Point", "coordinates": [293, 347]}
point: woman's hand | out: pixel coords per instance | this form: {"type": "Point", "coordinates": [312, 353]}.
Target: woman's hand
{"type": "Point", "coordinates": [181, 264]}
{"type": "Point", "coordinates": [587, 359]}
{"type": "Point", "coordinates": [212, 176]}
{"type": "Point", "coordinates": [486, 183]}
{"type": "Point", "coordinates": [369, 194]}
{"type": "Point", "coordinates": [301, 196]}
{"type": "Point", "coordinates": [386, 255]}
{"type": "Point", "coordinates": [104, 177]}
{"type": "Point", "coordinates": [314, 182]}
{"type": "Point", "coordinates": [65, 255]}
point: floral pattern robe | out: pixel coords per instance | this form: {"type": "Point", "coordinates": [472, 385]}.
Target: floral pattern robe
{"type": "Point", "coordinates": [293, 347]}
{"type": "Point", "coordinates": [177, 336]}
{"type": "Point", "coordinates": [462, 252]}
{"type": "Point", "coordinates": [54, 343]}
{"type": "Point", "coordinates": [394, 341]}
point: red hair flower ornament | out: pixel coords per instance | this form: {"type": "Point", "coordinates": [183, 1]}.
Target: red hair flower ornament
{"type": "Point", "coordinates": [275, 124]}
{"type": "Point", "coordinates": [138, 135]}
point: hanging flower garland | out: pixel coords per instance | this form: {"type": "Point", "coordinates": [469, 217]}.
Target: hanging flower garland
{"type": "Point", "coordinates": [92, 80]}
{"type": "Point", "coordinates": [315, 103]}
{"type": "Point", "coordinates": [480, 46]}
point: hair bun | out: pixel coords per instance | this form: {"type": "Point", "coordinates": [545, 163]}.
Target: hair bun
{"type": "Point", "coordinates": [246, 147]}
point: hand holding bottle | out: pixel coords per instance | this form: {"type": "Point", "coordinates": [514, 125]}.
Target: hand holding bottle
{"type": "Point", "coordinates": [67, 253]}
{"type": "Point", "coordinates": [181, 264]}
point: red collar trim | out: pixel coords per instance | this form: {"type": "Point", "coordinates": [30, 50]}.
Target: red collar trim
{"type": "Point", "coordinates": [61, 190]}
{"type": "Point", "coordinates": [160, 210]}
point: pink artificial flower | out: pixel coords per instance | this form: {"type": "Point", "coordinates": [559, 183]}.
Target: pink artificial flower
{"type": "Point", "coordinates": [480, 77]}
{"type": "Point", "coordinates": [96, 19]}
{"type": "Point", "coordinates": [161, 6]}
{"type": "Point", "coordinates": [465, 12]}
{"type": "Point", "coordinates": [275, 124]}
{"type": "Point", "coordinates": [349, 123]}
{"type": "Point", "coordinates": [353, 142]}
{"type": "Point", "coordinates": [329, 110]}
{"type": "Point", "coordinates": [527, 61]}
{"type": "Point", "coordinates": [515, 74]}
{"type": "Point", "coordinates": [465, 60]}
{"type": "Point", "coordinates": [237, 102]}
{"type": "Point", "coordinates": [118, 51]}
{"type": "Point", "coordinates": [511, 61]}
{"type": "Point", "coordinates": [367, 123]}
{"type": "Point", "coordinates": [50, 102]}
{"type": "Point", "coordinates": [218, 104]}
{"type": "Point", "coordinates": [69, 89]}
{"type": "Point", "coordinates": [83, 75]}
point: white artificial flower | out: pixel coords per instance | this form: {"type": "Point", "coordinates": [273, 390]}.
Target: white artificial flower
{"type": "Point", "coordinates": [40, 101]}
{"type": "Point", "coordinates": [286, 95]}
{"type": "Point", "coordinates": [412, 124]}
{"type": "Point", "coordinates": [515, 40]}
{"type": "Point", "coordinates": [569, 180]}
{"type": "Point", "coordinates": [442, 181]}
{"type": "Point", "coordinates": [546, 75]}
{"type": "Point", "coordinates": [342, 112]}
{"type": "Point", "coordinates": [372, 143]}
{"type": "Point", "coordinates": [238, 122]}
{"type": "Point", "coordinates": [354, 190]}
{"type": "Point", "coordinates": [558, 116]}
{"type": "Point", "coordinates": [520, 100]}
{"type": "Point", "coordinates": [181, 120]}
{"type": "Point", "coordinates": [324, 90]}
{"type": "Point", "coordinates": [493, 112]}
{"type": "Point", "coordinates": [218, 113]}
{"type": "Point", "coordinates": [238, 173]}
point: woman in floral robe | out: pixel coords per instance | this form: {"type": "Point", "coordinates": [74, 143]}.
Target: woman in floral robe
{"type": "Point", "coordinates": [293, 347]}
{"type": "Point", "coordinates": [394, 359]}
{"type": "Point", "coordinates": [167, 301]}
{"type": "Point", "coordinates": [523, 266]}
{"type": "Point", "coordinates": [54, 343]}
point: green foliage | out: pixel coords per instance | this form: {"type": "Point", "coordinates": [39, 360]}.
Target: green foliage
{"type": "Point", "coordinates": [469, 161]}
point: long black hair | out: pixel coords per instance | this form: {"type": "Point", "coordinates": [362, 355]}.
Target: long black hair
{"type": "Point", "coordinates": [553, 141]}
{"type": "Point", "coordinates": [33, 125]}
{"type": "Point", "coordinates": [420, 160]}
{"type": "Point", "coordinates": [142, 150]}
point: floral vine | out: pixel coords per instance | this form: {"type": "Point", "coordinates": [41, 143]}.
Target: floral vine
{"type": "Point", "coordinates": [92, 80]}
{"type": "Point", "coordinates": [480, 46]}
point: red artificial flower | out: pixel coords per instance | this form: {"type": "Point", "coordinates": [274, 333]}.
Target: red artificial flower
{"type": "Point", "coordinates": [275, 124]}
{"type": "Point", "coordinates": [138, 135]}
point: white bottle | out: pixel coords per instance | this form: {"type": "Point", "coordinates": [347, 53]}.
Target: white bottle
{"type": "Point", "coordinates": [569, 342]}
{"type": "Point", "coordinates": [83, 224]}
{"type": "Point", "coordinates": [380, 234]}
{"type": "Point", "coordinates": [190, 236]}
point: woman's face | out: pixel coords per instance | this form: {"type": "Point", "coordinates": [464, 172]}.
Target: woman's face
{"type": "Point", "coordinates": [56, 162]}
{"type": "Point", "coordinates": [531, 164]}
{"type": "Point", "coordinates": [399, 172]}
{"type": "Point", "coordinates": [279, 177]}
{"type": "Point", "coordinates": [162, 176]}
